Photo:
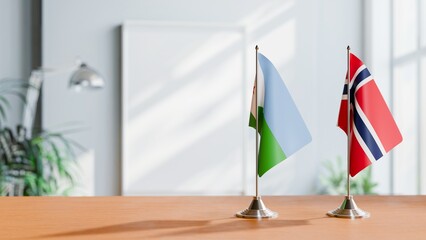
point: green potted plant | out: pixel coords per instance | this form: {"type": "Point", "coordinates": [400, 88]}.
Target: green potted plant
{"type": "Point", "coordinates": [334, 180]}
{"type": "Point", "coordinates": [41, 164]}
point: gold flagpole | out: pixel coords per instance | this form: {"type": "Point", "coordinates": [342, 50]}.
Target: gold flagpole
{"type": "Point", "coordinates": [257, 208]}
{"type": "Point", "coordinates": [348, 209]}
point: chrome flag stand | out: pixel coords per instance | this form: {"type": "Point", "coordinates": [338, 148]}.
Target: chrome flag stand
{"type": "Point", "coordinates": [257, 208]}
{"type": "Point", "coordinates": [348, 209]}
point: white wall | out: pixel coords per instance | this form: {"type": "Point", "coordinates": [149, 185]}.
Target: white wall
{"type": "Point", "coordinates": [15, 47]}
{"type": "Point", "coordinates": [340, 23]}
{"type": "Point", "coordinates": [305, 39]}
{"type": "Point", "coordinates": [395, 58]}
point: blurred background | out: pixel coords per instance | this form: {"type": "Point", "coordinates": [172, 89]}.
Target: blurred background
{"type": "Point", "coordinates": [172, 116]}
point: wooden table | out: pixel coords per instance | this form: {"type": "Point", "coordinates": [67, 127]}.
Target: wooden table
{"type": "Point", "coordinates": [300, 217]}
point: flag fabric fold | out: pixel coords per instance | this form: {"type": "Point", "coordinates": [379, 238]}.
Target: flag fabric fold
{"type": "Point", "coordinates": [281, 127]}
{"type": "Point", "coordinates": [373, 131]}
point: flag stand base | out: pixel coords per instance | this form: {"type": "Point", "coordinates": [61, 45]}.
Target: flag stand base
{"type": "Point", "coordinates": [257, 209]}
{"type": "Point", "coordinates": [348, 209]}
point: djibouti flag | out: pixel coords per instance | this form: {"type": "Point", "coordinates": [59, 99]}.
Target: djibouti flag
{"type": "Point", "coordinates": [281, 127]}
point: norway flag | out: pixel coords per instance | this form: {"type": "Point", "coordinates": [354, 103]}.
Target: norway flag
{"type": "Point", "coordinates": [373, 131]}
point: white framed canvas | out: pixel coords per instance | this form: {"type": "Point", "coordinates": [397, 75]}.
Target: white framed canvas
{"type": "Point", "coordinates": [183, 108]}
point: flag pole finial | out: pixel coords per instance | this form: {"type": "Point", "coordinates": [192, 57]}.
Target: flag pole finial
{"type": "Point", "coordinates": [348, 48]}
{"type": "Point", "coordinates": [257, 47]}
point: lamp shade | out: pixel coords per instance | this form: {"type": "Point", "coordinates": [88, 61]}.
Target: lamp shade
{"type": "Point", "coordinates": [86, 77]}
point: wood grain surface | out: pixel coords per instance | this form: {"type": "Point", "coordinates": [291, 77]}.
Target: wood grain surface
{"type": "Point", "coordinates": [300, 217]}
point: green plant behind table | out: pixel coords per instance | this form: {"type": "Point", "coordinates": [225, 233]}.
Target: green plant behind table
{"type": "Point", "coordinates": [335, 179]}
{"type": "Point", "coordinates": [37, 166]}
{"type": "Point", "coordinates": [42, 164]}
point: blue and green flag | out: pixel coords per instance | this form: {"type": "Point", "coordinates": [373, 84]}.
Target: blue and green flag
{"type": "Point", "coordinates": [281, 127]}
